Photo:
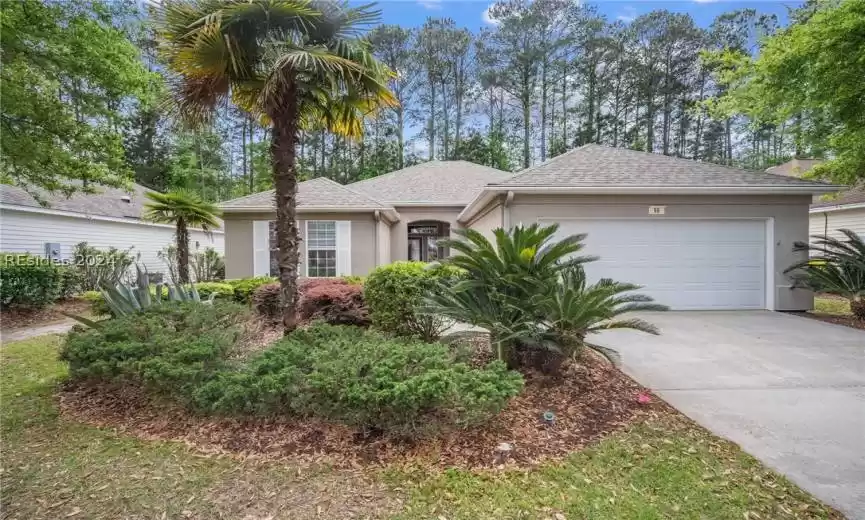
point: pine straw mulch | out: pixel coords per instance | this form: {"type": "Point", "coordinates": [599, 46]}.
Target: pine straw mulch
{"type": "Point", "coordinates": [15, 318]}
{"type": "Point", "coordinates": [835, 319]}
{"type": "Point", "coordinates": [592, 400]}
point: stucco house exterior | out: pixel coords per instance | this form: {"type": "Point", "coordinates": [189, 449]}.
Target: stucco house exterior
{"type": "Point", "coordinates": [696, 235]}
{"type": "Point", "coordinates": [829, 213]}
{"type": "Point", "coordinates": [111, 217]}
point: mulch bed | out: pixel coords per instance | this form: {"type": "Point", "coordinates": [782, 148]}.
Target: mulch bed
{"type": "Point", "coordinates": [591, 400]}
{"type": "Point", "coordinates": [17, 318]}
{"type": "Point", "coordinates": [847, 321]}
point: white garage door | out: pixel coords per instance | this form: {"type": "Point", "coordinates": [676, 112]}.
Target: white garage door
{"type": "Point", "coordinates": [686, 264]}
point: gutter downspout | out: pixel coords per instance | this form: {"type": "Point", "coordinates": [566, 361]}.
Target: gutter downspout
{"type": "Point", "coordinates": [506, 211]}
{"type": "Point", "coordinates": [377, 218]}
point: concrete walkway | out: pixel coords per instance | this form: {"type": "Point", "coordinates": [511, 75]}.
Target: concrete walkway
{"type": "Point", "coordinates": [789, 390]}
{"type": "Point", "coordinates": [60, 327]}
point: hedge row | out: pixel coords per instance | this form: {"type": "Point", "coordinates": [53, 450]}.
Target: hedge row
{"type": "Point", "coordinates": [34, 282]}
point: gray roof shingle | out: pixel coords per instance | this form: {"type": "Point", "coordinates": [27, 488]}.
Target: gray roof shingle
{"type": "Point", "coordinates": [597, 165]}
{"type": "Point", "coordinates": [107, 202]}
{"type": "Point", "coordinates": [315, 193]}
{"type": "Point", "coordinates": [437, 182]}
{"type": "Point", "coordinates": [855, 195]}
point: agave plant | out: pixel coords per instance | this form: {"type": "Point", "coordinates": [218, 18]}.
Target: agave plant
{"type": "Point", "coordinates": [124, 299]}
{"type": "Point", "coordinates": [835, 266]}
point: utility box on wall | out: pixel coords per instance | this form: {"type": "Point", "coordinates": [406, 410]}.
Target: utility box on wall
{"type": "Point", "coordinates": [52, 251]}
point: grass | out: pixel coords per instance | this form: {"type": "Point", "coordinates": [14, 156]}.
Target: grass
{"type": "Point", "coordinates": [663, 468]}
{"type": "Point", "coordinates": [833, 306]}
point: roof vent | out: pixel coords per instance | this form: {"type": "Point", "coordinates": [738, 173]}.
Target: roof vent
{"type": "Point", "coordinates": [126, 198]}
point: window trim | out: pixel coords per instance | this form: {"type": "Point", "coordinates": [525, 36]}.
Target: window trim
{"type": "Point", "coordinates": [306, 249]}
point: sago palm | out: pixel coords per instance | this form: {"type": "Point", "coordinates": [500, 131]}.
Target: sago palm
{"type": "Point", "coordinates": [183, 210]}
{"type": "Point", "coordinates": [502, 279]}
{"type": "Point", "coordinates": [293, 64]}
{"type": "Point", "coordinates": [575, 309]}
{"type": "Point", "coordinates": [835, 266]}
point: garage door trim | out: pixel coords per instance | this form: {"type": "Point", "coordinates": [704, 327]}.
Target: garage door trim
{"type": "Point", "coordinates": [769, 275]}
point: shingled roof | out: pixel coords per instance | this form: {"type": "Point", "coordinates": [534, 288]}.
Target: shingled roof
{"type": "Point", "coordinates": [597, 165]}
{"type": "Point", "coordinates": [106, 202]}
{"type": "Point", "coordinates": [318, 193]}
{"type": "Point", "coordinates": [434, 182]}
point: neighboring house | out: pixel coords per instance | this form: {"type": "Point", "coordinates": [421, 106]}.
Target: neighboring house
{"type": "Point", "coordinates": [696, 235]}
{"type": "Point", "coordinates": [110, 218]}
{"type": "Point", "coordinates": [829, 213]}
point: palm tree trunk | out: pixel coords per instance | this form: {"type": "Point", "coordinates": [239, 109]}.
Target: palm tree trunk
{"type": "Point", "coordinates": [282, 149]}
{"type": "Point", "coordinates": [182, 251]}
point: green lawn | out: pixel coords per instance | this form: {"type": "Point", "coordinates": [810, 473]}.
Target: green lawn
{"type": "Point", "coordinates": [664, 468]}
{"type": "Point", "coordinates": [834, 306]}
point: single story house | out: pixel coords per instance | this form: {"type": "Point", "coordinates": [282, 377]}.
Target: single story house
{"type": "Point", "coordinates": [829, 213]}
{"type": "Point", "coordinates": [696, 235]}
{"type": "Point", "coordinates": [111, 217]}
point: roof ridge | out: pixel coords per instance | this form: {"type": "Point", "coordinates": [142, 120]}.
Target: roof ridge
{"type": "Point", "coordinates": [364, 195]}
{"type": "Point", "coordinates": [530, 169]}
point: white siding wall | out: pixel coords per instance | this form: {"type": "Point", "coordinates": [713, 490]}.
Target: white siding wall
{"type": "Point", "coordinates": [834, 220]}
{"type": "Point", "coordinates": [23, 232]}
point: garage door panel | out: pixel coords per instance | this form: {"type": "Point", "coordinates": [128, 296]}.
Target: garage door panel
{"type": "Point", "coordinates": [686, 264]}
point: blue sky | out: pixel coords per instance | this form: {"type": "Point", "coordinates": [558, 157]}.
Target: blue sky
{"type": "Point", "coordinates": [412, 13]}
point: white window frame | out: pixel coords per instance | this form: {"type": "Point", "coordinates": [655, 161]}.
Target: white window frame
{"type": "Point", "coordinates": [335, 248]}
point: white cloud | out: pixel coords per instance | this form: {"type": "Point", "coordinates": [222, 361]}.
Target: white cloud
{"type": "Point", "coordinates": [487, 18]}
{"type": "Point", "coordinates": [432, 5]}
{"type": "Point", "coordinates": [628, 14]}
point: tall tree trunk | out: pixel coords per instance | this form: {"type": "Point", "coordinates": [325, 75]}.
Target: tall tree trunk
{"type": "Point", "coordinates": [282, 149]}
{"type": "Point", "coordinates": [251, 150]}
{"type": "Point", "coordinates": [527, 156]}
{"type": "Point", "coordinates": [432, 122]}
{"type": "Point", "coordinates": [400, 135]}
{"type": "Point", "coordinates": [544, 111]}
{"type": "Point", "coordinates": [182, 250]}
{"type": "Point", "coordinates": [565, 107]}
{"type": "Point", "coordinates": [728, 141]}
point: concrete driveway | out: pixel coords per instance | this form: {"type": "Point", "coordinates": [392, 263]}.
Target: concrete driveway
{"type": "Point", "coordinates": [789, 390]}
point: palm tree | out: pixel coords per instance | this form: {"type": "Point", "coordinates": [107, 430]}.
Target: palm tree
{"type": "Point", "coordinates": [293, 64]}
{"type": "Point", "coordinates": [835, 266]}
{"type": "Point", "coordinates": [184, 210]}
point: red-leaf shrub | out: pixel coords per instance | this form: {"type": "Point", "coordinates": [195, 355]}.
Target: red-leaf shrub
{"type": "Point", "coordinates": [334, 301]}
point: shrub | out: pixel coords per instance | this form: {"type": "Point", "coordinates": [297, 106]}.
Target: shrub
{"type": "Point", "coordinates": [244, 287]}
{"type": "Point", "coordinates": [207, 265]}
{"type": "Point", "coordinates": [71, 281]}
{"type": "Point", "coordinates": [170, 348]}
{"type": "Point", "coordinates": [28, 281]}
{"type": "Point", "coordinates": [223, 290]}
{"type": "Point", "coordinates": [395, 293]}
{"type": "Point", "coordinates": [403, 388]}
{"type": "Point", "coordinates": [334, 301]}
{"type": "Point", "coordinates": [100, 267]}
{"type": "Point", "coordinates": [267, 302]}
{"type": "Point", "coordinates": [98, 307]}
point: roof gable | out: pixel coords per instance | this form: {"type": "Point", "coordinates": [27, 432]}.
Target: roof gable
{"type": "Point", "coordinates": [433, 182]}
{"type": "Point", "coordinates": [597, 165]}
{"type": "Point", "coordinates": [314, 193]}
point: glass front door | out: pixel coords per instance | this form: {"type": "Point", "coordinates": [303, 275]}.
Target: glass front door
{"type": "Point", "coordinates": [423, 249]}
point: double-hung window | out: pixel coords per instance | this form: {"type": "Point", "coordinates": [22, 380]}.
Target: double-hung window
{"type": "Point", "coordinates": [321, 248]}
